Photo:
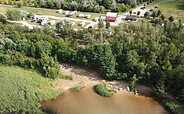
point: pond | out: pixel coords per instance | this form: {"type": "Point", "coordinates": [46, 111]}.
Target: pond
{"type": "Point", "coordinates": [87, 101]}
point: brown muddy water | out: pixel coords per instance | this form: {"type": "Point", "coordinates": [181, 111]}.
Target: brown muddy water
{"type": "Point", "coordinates": [86, 101]}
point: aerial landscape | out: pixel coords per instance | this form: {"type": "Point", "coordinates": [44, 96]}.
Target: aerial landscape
{"type": "Point", "coordinates": [92, 56]}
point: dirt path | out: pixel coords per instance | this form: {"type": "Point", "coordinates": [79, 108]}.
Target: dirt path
{"type": "Point", "coordinates": [24, 24]}
{"type": "Point", "coordinates": [87, 77]}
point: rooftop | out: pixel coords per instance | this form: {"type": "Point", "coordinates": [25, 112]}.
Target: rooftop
{"type": "Point", "coordinates": [111, 14]}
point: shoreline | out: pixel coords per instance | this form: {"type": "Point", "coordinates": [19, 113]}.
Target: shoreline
{"type": "Point", "coordinates": [89, 78]}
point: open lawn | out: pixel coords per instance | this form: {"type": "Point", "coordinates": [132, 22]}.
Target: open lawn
{"type": "Point", "coordinates": [45, 11]}
{"type": "Point", "coordinates": [22, 89]}
{"type": "Point", "coordinates": [169, 8]}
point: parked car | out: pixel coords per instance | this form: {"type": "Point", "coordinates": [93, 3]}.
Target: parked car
{"type": "Point", "coordinates": [143, 7]}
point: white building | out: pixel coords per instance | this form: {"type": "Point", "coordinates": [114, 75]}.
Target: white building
{"type": "Point", "coordinates": [81, 15]}
{"type": "Point", "coordinates": [72, 13]}
{"type": "Point", "coordinates": [52, 22]}
{"type": "Point", "coordinates": [66, 12]}
{"type": "Point", "coordinates": [43, 22]}
{"type": "Point", "coordinates": [82, 24]}
{"type": "Point", "coordinates": [102, 18]}
{"type": "Point", "coordinates": [59, 11]}
{"type": "Point", "coordinates": [73, 23]}
{"type": "Point", "coordinates": [36, 17]}
{"type": "Point", "coordinates": [96, 19]}
{"type": "Point", "coordinates": [88, 16]}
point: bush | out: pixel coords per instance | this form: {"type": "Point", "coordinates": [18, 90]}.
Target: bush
{"type": "Point", "coordinates": [173, 106]}
{"type": "Point", "coordinates": [19, 5]}
{"type": "Point", "coordinates": [2, 18]}
{"type": "Point", "coordinates": [67, 77]}
{"type": "Point", "coordinates": [102, 90]}
{"type": "Point", "coordinates": [76, 88]}
{"type": "Point", "coordinates": [14, 15]}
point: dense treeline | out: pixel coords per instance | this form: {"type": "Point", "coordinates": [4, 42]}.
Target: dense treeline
{"type": "Point", "coordinates": [152, 55]}
{"type": "Point", "coordinates": [84, 5]}
{"type": "Point", "coordinates": [28, 48]}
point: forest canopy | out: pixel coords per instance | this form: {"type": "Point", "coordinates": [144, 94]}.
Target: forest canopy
{"type": "Point", "coordinates": [152, 54]}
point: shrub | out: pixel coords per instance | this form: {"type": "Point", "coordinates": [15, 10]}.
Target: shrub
{"type": "Point", "coordinates": [102, 90]}
{"type": "Point", "coordinates": [76, 88]}
{"type": "Point", "coordinates": [67, 77]}
{"type": "Point", "coordinates": [173, 106]}
{"type": "Point", "coordinates": [14, 15]}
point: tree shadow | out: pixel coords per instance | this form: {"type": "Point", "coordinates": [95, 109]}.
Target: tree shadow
{"type": "Point", "coordinates": [180, 7]}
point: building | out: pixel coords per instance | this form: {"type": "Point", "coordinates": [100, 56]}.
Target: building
{"type": "Point", "coordinates": [96, 19]}
{"type": "Point", "coordinates": [66, 12]}
{"type": "Point", "coordinates": [36, 17]}
{"type": "Point", "coordinates": [111, 17]}
{"type": "Point", "coordinates": [82, 24]}
{"type": "Point", "coordinates": [87, 16]}
{"type": "Point", "coordinates": [52, 22]}
{"type": "Point", "coordinates": [72, 13]}
{"type": "Point", "coordinates": [130, 18]}
{"type": "Point", "coordinates": [81, 15]}
{"type": "Point", "coordinates": [103, 18]}
{"type": "Point", "coordinates": [59, 11]}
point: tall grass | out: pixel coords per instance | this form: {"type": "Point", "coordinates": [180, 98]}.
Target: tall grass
{"type": "Point", "coordinates": [22, 89]}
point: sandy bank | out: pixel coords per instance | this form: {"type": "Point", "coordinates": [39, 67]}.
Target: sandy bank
{"type": "Point", "coordinates": [87, 77]}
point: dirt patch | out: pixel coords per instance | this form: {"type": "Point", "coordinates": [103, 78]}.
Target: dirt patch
{"type": "Point", "coordinates": [88, 77]}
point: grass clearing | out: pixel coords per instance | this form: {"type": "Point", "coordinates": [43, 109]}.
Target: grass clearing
{"type": "Point", "coordinates": [45, 11]}
{"type": "Point", "coordinates": [169, 8]}
{"type": "Point", "coordinates": [21, 90]}
{"type": "Point", "coordinates": [67, 77]}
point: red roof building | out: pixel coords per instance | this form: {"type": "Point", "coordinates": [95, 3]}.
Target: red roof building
{"type": "Point", "coordinates": [111, 17]}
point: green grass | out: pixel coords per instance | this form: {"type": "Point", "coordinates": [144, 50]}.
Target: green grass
{"type": "Point", "coordinates": [93, 15]}
{"type": "Point", "coordinates": [172, 8]}
{"type": "Point", "coordinates": [45, 11]}
{"type": "Point", "coordinates": [67, 77]}
{"type": "Point", "coordinates": [76, 88]}
{"type": "Point", "coordinates": [22, 89]}
{"type": "Point", "coordinates": [102, 90]}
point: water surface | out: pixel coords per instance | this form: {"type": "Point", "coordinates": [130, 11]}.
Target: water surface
{"type": "Point", "coordinates": [86, 101]}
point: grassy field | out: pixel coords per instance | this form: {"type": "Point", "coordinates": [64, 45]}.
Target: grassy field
{"type": "Point", "coordinates": [169, 8]}
{"type": "Point", "coordinates": [174, 8]}
{"type": "Point", "coordinates": [45, 11]}
{"type": "Point", "coordinates": [22, 89]}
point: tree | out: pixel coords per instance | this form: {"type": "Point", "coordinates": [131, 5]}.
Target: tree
{"type": "Point", "coordinates": [107, 24]}
{"type": "Point", "coordinates": [133, 83]}
{"type": "Point", "coordinates": [107, 3]}
{"type": "Point", "coordinates": [154, 14]}
{"type": "Point", "coordinates": [162, 17]}
{"type": "Point", "coordinates": [146, 14]}
{"type": "Point", "coordinates": [160, 87]}
{"type": "Point", "coordinates": [100, 27]}
{"type": "Point", "coordinates": [19, 5]}
{"type": "Point", "coordinates": [159, 12]}
{"type": "Point", "coordinates": [130, 12]}
{"type": "Point", "coordinates": [138, 13]}
{"type": "Point", "coordinates": [58, 5]}
{"type": "Point", "coordinates": [171, 18]}
{"type": "Point", "coordinates": [50, 4]}
{"type": "Point", "coordinates": [2, 18]}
